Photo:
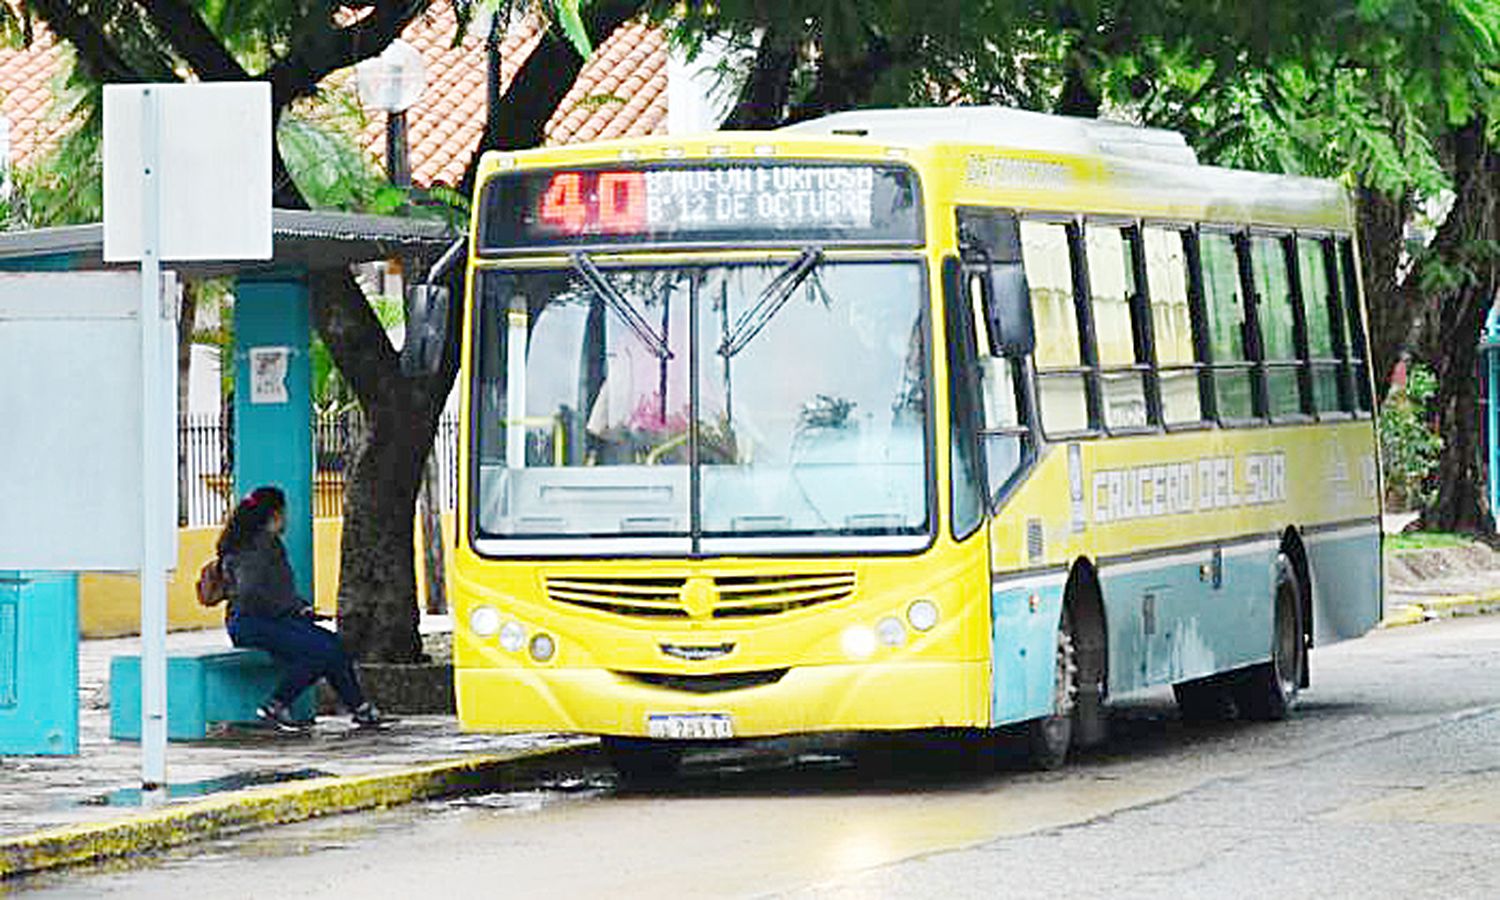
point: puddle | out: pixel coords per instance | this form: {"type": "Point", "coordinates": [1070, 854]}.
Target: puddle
{"type": "Point", "coordinates": [189, 789]}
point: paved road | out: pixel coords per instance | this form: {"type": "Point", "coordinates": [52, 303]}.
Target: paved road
{"type": "Point", "coordinates": [1386, 783]}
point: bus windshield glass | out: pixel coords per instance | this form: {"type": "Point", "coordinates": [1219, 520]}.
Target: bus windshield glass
{"type": "Point", "coordinates": [715, 401]}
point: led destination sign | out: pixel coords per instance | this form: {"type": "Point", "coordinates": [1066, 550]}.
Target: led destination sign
{"type": "Point", "coordinates": [754, 201]}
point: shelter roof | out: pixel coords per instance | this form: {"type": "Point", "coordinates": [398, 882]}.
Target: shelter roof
{"type": "Point", "coordinates": [300, 239]}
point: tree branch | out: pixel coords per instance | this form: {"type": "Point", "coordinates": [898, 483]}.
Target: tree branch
{"type": "Point", "coordinates": [102, 60]}
{"type": "Point", "coordinates": [320, 49]}
{"type": "Point", "coordinates": [186, 31]}
{"type": "Point", "coordinates": [347, 323]}
{"type": "Point", "coordinates": [763, 98]}
{"type": "Point", "coordinates": [519, 120]}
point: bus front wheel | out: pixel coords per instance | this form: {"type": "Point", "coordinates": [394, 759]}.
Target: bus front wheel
{"type": "Point", "coordinates": [1268, 690]}
{"type": "Point", "coordinates": [1049, 738]}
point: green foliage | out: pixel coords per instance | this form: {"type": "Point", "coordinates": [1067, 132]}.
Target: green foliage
{"type": "Point", "coordinates": [328, 164]}
{"type": "Point", "coordinates": [1427, 540]}
{"type": "Point", "coordinates": [1409, 444]}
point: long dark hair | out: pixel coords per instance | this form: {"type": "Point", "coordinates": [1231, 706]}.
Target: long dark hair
{"type": "Point", "coordinates": [250, 517]}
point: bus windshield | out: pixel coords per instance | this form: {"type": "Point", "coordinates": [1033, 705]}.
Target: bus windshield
{"type": "Point", "coordinates": [743, 403]}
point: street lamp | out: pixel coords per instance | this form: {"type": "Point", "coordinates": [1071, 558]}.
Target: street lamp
{"type": "Point", "coordinates": [391, 83]}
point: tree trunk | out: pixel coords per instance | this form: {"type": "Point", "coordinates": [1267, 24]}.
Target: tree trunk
{"type": "Point", "coordinates": [187, 314]}
{"type": "Point", "coordinates": [377, 579]}
{"type": "Point", "coordinates": [1393, 304]}
{"type": "Point", "coordinates": [434, 561]}
{"type": "Point", "coordinates": [1464, 252]}
{"type": "Point", "coordinates": [763, 99]}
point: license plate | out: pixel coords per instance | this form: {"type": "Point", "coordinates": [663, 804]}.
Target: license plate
{"type": "Point", "coordinates": [690, 726]}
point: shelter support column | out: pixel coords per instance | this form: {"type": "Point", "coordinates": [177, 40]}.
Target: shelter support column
{"type": "Point", "coordinates": [273, 404]}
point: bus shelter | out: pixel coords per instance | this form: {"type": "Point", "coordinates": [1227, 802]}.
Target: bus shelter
{"type": "Point", "coordinates": [272, 435]}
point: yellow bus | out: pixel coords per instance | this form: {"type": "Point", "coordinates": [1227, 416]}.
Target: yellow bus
{"type": "Point", "coordinates": [904, 419]}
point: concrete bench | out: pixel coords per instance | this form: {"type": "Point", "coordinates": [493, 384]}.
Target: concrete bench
{"type": "Point", "coordinates": [203, 687]}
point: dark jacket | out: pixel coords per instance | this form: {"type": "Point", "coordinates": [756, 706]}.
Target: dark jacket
{"type": "Point", "coordinates": [262, 579]}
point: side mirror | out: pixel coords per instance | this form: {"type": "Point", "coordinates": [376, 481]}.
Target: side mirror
{"type": "Point", "coordinates": [1007, 311]}
{"type": "Point", "coordinates": [426, 328]}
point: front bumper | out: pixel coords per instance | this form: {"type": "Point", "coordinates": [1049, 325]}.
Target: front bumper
{"type": "Point", "coordinates": [854, 697]}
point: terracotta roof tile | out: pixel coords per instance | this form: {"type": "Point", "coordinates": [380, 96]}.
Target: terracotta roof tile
{"type": "Point", "coordinates": [619, 90]}
{"type": "Point", "coordinates": [445, 125]}
{"type": "Point", "coordinates": [28, 80]}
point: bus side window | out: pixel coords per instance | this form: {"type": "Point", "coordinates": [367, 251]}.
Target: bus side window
{"type": "Point", "coordinates": [1112, 288]}
{"type": "Point", "coordinates": [1349, 287]}
{"type": "Point", "coordinates": [1004, 438]}
{"type": "Point", "coordinates": [1325, 340]}
{"type": "Point", "coordinates": [1061, 374]}
{"type": "Point", "coordinates": [1231, 369]}
{"type": "Point", "coordinates": [1279, 327]}
{"type": "Point", "coordinates": [1167, 281]}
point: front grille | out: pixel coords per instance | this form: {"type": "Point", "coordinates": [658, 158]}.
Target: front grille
{"type": "Point", "coordinates": [754, 595]}
{"type": "Point", "coordinates": [735, 596]}
{"type": "Point", "coordinates": [647, 597]}
{"type": "Point", "coordinates": [708, 684]}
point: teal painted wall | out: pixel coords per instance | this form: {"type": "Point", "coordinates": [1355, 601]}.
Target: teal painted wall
{"type": "Point", "coordinates": [38, 664]}
{"type": "Point", "coordinates": [273, 441]}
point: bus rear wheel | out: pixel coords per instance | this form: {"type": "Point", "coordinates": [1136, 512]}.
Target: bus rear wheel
{"type": "Point", "coordinates": [641, 760]}
{"type": "Point", "coordinates": [1049, 738]}
{"type": "Point", "coordinates": [1267, 691]}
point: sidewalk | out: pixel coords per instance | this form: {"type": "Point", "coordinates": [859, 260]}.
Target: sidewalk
{"type": "Point", "coordinates": [56, 810]}
{"type": "Point", "coordinates": [1440, 583]}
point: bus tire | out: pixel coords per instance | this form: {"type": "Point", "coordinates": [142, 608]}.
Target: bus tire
{"type": "Point", "coordinates": [1204, 699]}
{"type": "Point", "coordinates": [1049, 738]}
{"type": "Point", "coordinates": [639, 760]}
{"type": "Point", "coordinates": [1267, 691]}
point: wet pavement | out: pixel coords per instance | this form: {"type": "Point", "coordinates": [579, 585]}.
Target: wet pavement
{"type": "Point", "coordinates": [102, 782]}
{"type": "Point", "coordinates": [1384, 783]}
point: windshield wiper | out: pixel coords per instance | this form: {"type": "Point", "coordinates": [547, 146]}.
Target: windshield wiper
{"type": "Point", "coordinates": [771, 300]}
{"type": "Point", "coordinates": [621, 306]}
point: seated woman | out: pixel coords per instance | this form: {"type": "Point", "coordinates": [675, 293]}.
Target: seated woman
{"type": "Point", "coordinates": [265, 612]}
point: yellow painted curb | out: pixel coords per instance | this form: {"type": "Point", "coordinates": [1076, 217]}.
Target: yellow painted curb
{"type": "Point", "coordinates": [1442, 608]}
{"type": "Point", "coordinates": [183, 823]}
{"type": "Point", "coordinates": [1409, 614]}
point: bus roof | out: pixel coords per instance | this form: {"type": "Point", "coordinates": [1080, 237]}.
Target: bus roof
{"type": "Point", "coordinates": [1002, 126]}
{"type": "Point", "coordinates": [1004, 156]}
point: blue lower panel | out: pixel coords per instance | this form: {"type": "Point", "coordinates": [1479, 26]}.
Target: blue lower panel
{"type": "Point", "coordinates": [1176, 621]}
{"type": "Point", "coordinates": [38, 664]}
{"type": "Point", "coordinates": [1346, 595]}
{"type": "Point", "coordinates": [1025, 643]}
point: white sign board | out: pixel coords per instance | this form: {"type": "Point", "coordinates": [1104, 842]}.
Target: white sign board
{"type": "Point", "coordinates": [71, 404]}
{"type": "Point", "coordinates": [214, 170]}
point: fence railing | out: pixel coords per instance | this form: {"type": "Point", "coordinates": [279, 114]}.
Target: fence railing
{"type": "Point", "coordinates": [205, 470]}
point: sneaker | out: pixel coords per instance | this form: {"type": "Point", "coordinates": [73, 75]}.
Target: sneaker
{"type": "Point", "coordinates": [279, 716]}
{"type": "Point", "coordinates": [367, 715]}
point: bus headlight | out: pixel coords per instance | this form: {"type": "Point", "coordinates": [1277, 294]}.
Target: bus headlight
{"type": "Point", "coordinates": [484, 620]}
{"type": "Point", "coordinates": [512, 636]}
{"type": "Point", "coordinates": [542, 647]}
{"type": "Point", "coordinates": [923, 615]}
{"type": "Point", "coordinates": [859, 642]}
{"type": "Point", "coordinates": [890, 631]}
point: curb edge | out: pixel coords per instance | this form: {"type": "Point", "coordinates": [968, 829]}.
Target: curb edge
{"type": "Point", "coordinates": [175, 825]}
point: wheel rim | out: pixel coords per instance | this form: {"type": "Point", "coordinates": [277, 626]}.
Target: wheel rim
{"type": "Point", "coordinates": [1064, 683]}
{"type": "Point", "coordinates": [1286, 641]}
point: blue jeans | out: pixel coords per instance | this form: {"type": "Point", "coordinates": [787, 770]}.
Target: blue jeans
{"type": "Point", "coordinates": [305, 651]}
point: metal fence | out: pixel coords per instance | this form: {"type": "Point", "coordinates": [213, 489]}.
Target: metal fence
{"type": "Point", "coordinates": [205, 470]}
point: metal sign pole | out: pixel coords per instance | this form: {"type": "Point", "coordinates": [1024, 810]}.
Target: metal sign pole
{"type": "Point", "coordinates": [153, 556]}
